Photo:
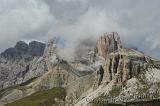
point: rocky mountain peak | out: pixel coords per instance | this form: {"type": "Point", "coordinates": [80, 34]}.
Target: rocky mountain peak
{"type": "Point", "coordinates": [16, 61]}
{"type": "Point", "coordinates": [36, 48]}
{"type": "Point", "coordinates": [121, 63]}
{"type": "Point", "coordinates": [51, 48]}
{"type": "Point", "coordinates": [50, 53]}
{"type": "Point", "coordinates": [21, 46]}
{"type": "Point", "coordinates": [109, 42]}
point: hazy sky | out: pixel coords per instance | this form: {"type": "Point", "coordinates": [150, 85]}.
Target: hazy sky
{"type": "Point", "coordinates": [136, 21]}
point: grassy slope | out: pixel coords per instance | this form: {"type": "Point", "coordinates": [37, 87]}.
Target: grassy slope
{"type": "Point", "coordinates": [41, 98]}
{"type": "Point", "coordinates": [20, 86]}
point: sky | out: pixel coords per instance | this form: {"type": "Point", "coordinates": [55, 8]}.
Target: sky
{"type": "Point", "coordinates": [136, 21]}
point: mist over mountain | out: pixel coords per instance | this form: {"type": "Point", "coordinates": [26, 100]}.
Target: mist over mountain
{"type": "Point", "coordinates": [79, 53]}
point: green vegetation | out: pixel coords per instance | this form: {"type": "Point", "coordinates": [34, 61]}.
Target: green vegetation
{"type": "Point", "coordinates": [41, 98]}
{"type": "Point", "coordinates": [20, 87]}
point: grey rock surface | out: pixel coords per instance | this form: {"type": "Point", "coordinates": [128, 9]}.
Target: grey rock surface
{"type": "Point", "coordinates": [36, 48]}
{"type": "Point", "coordinates": [17, 61]}
{"type": "Point", "coordinates": [108, 43]}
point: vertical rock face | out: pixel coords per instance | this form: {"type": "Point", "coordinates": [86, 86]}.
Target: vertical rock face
{"type": "Point", "coordinates": [51, 48]}
{"type": "Point", "coordinates": [109, 42]}
{"type": "Point", "coordinates": [123, 65]}
{"type": "Point", "coordinates": [50, 53]}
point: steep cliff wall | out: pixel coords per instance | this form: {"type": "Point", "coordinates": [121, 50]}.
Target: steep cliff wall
{"type": "Point", "coordinates": [109, 42]}
{"type": "Point", "coordinates": [121, 63]}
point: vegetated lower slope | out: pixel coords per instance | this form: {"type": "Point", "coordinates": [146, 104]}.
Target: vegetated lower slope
{"type": "Point", "coordinates": [19, 87]}
{"type": "Point", "coordinates": [41, 98]}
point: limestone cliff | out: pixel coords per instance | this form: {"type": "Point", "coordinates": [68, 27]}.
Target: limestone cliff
{"type": "Point", "coordinates": [121, 63]}
{"type": "Point", "coordinates": [107, 43]}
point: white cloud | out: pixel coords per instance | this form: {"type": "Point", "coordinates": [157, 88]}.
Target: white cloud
{"type": "Point", "coordinates": [20, 18]}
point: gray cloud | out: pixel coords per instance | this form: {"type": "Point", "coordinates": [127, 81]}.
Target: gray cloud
{"type": "Point", "coordinates": [136, 21]}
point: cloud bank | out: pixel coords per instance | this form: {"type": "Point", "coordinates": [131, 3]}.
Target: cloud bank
{"type": "Point", "coordinates": [136, 21]}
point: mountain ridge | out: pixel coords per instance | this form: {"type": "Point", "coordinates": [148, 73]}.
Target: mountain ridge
{"type": "Point", "coordinates": [80, 78]}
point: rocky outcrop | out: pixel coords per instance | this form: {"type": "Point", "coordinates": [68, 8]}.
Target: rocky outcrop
{"type": "Point", "coordinates": [109, 42]}
{"type": "Point", "coordinates": [123, 65]}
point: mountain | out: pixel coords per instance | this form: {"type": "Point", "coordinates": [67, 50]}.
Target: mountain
{"type": "Point", "coordinates": [29, 71]}
{"type": "Point", "coordinates": [15, 62]}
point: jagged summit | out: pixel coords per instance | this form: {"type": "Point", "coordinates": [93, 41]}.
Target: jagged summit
{"type": "Point", "coordinates": [21, 48]}
{"type": "Point", "coordinates": [107, 43]}
{"type": "Point", "coordinates": [51, 48]}
{"type": "Point", "coordinates": [36, 48]}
